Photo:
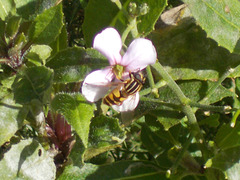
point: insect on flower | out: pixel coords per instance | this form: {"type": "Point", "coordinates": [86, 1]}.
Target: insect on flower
{"type": "Point", "coordinates": [129, 87]}
{"type": "Point", "coordinates": [124, 71]}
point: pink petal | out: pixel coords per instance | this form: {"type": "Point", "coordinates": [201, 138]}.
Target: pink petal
{"type": "Point", "coordinates": [140, 53]}
{"type": "Point", "coordinates": [95, 85]}
{"type": "Point", "coordinates": [129, 104]}
{"type": "Point", "coordinates": [109, 43]}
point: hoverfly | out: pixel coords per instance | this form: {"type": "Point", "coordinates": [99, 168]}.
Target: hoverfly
{"type": "Point", "coordinates": [127, 88]}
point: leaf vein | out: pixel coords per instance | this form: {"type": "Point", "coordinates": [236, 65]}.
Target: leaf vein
{"type": "Point", "coordinates": [219, 14]}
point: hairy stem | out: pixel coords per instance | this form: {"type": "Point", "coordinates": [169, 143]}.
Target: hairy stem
{"type": "Point", "coordinates": [194, 127]}
{"type": "Point", "coordinates": [150, 77]}
{"type": "Point", "coordinates": [181, 154]}
{"type": "Point", "coordinates": [171, 83]}
{"type": "Point", "coordinates": [223, 109]}
{"type": "Point", "coordinates": [215, 86]}
{"type": "Point", "coordinates": [234, 119]}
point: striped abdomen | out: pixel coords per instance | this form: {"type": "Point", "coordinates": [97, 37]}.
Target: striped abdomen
{"type": "Point", "coordinates": [129, 87]}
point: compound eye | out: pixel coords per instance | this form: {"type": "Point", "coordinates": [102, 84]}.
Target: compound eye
{"type": "Point", "coordinates": [137, 76]}
{"type": "Point", "coordinates": [140, 77]}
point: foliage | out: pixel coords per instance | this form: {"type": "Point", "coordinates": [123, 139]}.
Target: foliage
{"type": "Point", "coordinates": [186, 123]}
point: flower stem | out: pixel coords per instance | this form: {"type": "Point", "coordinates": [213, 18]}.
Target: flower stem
{"type": "Point", "coordinates": [118, 3]}
{"type": "Point", "coordinates": [125, 33]}
{"type": "Point", "coordinates": [159, 84]}
{"type": "Point", "coordinates": [215, 86]}
{"type": "Point", "coordinates": [181, 154]}
{"type": "Point", "coordinates": [171, 83]}
{"type": "Point", "coordinates": [133, 24]}
{"type": "Point", "coordinates": [150, 77]}
{"type": "Point", "coordinates": [132, 27]}
{"type": "Point", "coordinates": [151, 82]}
{"type": "Point", "coordinates": [234, 119]}
{"type": "Point", "coordinates": [195, 129]}
{"type": "Point", "coordinates": [171, 105]}
{"type": "Point", "coordinates": [173, 140]}
{"type": "Point", "coordinates": [222, 109]}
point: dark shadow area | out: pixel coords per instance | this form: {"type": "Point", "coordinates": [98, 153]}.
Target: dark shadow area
{"type": "Point", "coordinates": [229, 156]}
{"type": "Point", "coordinates": [187, 46]}
{"type": "Point", "coordinates": [10, 106]}
{"type": "Point", "coordinates": [28, 10]}
{"type": "Point", "coordinates": [21, 114]}
{"type": "Point", "coordinates": [123, 169]}
{"type": "Point", "coordinates": [237, 47]}
{"type": "Point", "coordinates": [26, 152]}
{"type": "Point", "coordinates": [202, 92]}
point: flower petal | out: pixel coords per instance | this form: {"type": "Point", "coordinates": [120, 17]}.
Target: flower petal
{"type": "Point", "coordinates": [109, 43]}
{"type": "Point", "coordinates": [129, 104]}
{"type": "Point", "coordinates": [95, 85]}
{"type": "Point", "coordinates": [140, 53]}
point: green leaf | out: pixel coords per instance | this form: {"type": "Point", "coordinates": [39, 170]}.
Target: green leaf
{"type": "Point", "coordinates": [195, 90]}
{"type": "Point", "coordinates": [20, 40]}
{"type": "Point", "coordinates": [69, 74]}
{"type": "Point", "coordinates": [72, 64]}
{"type": "Point", "coordinates": [26, 8]}
{"type": "Point", "coordinates": [77, 153]}
{"type": "Point", "coordinates": [211, 121]}
{"type": "Point", "coordinates": [110, 15]}
{"type": "Point", "coordinates": [228, 137]}
{"type": "Point", "coordinates": [147, 22]}
{"type": "Point", "coordinates": [105, 134]}
{"type": "Point", "coordinates": [61, 42]}
{"type": "Point", "coordinates": [77, 111]}
{"type": "Point", "coordinates": [12, 26]}
{"type": "Point", "coordinates": [38, 54]}
{"type": "Point", "coordinates": [220, 20]}
{"type": "Point", "coordinates": [152, 142]}
{"type": "Point", "coordinates": [187, 161]}
{"type": "Point", "coordinates": [228, 161]}
{"type": "Point", "coordinates": [33, 83]}
{"type": "Point", "coordinates": [25, 161]}
{"type": "Point", "coordinates": [12, 116]}
{"type": "Point", "coordinates": [174, 135]}
{"type": "Point", "coordinates": [156, 127]}
{"type": "Point", "coordinates": [233, 172]}
{"type": "Point", "coordinates": [118, 170]}
{"type": "Point", "coordinates": [189, 54]}
{"type": "Point", "coordinates": [2, 34]}
{"type": "Point", "coordinates": [46, 26]}
{"type": "Point", "coordinates": [167, 109]}
{"type": "Point", "coordinates": [166, 114]}
{"type": "Point", "coordinates": [7, 80]}
{"type": "Point", "coordinates": [173, 117]}
{"type": "Point", "coordinates": [46, 4]}
{"type": "Point", "coordinates": [159, 142]}
{"type": "Point", "coordinates": [100, 14]}
{"type": "Point", "coordinates": [7, 8]}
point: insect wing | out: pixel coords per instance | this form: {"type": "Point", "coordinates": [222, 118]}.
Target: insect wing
{"type": "Point", "coordinates": [109, 84]}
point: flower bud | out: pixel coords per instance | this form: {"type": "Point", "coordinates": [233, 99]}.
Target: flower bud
{"type": "Point", "coordinates": [143, 9]}
{"type": "Point", "coordinates": [132, 8]}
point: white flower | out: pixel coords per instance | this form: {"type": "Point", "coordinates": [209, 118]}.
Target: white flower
{"type": "Point", "coordinates": [139, 54]}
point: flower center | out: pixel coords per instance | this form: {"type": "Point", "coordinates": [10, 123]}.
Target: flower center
{"type": "Point", "coordinates": [118, 71]}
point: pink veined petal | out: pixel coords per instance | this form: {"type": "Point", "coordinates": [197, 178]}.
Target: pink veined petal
{"type": "Point", "coordinates": [129, 104]}
{"type": "Point", "coordinates": [95, 85]}
{"type": "Point", "coordinates": [109, 43]}
{"type": "Point", "coordinates": [140, 53]}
